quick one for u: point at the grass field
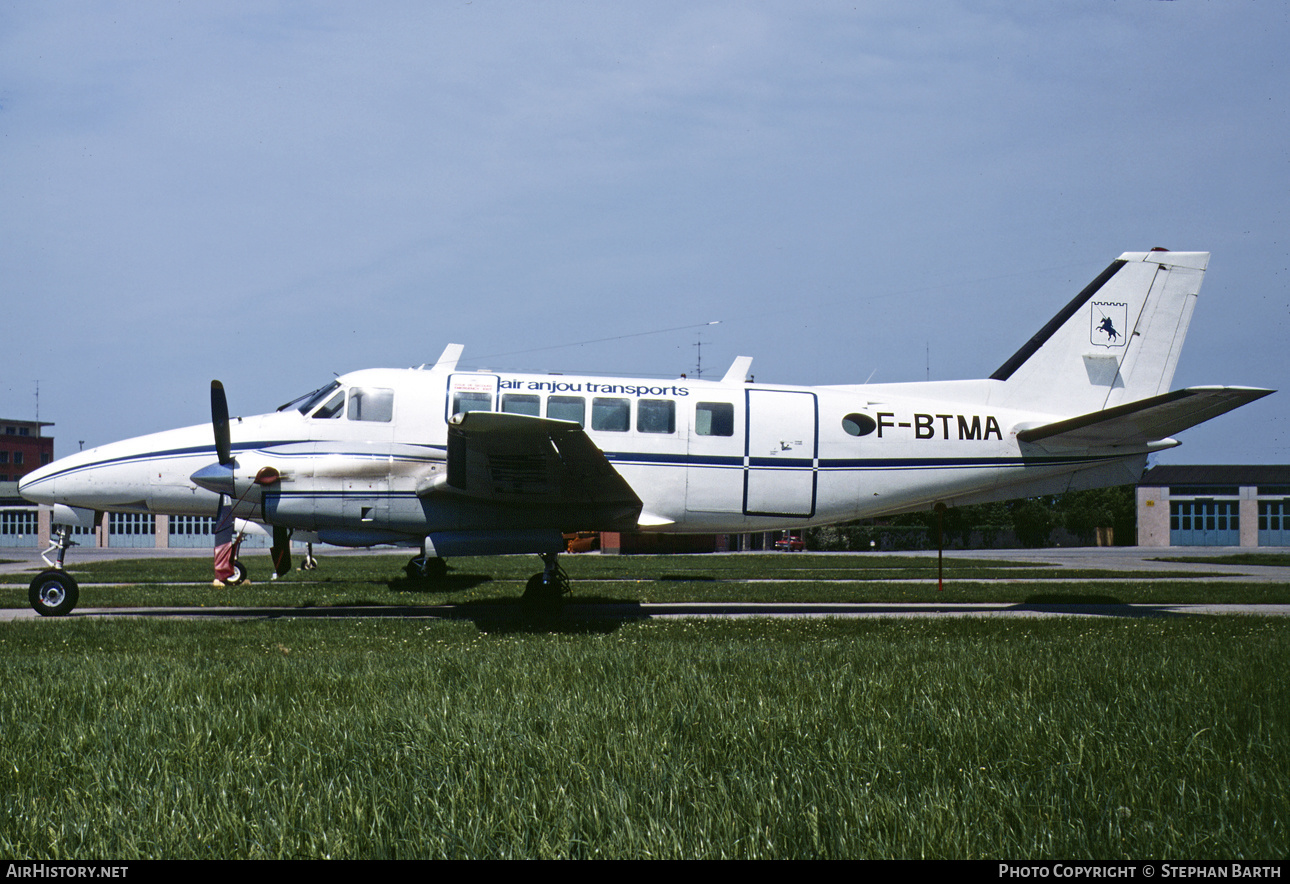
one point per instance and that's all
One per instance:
(1260, 558)
(379, 580)
(364, 738)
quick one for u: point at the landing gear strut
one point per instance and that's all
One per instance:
(54, 592)
(552, 585)
(63, 542)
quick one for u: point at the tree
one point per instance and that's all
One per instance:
(1083, 512)
(1033, 520)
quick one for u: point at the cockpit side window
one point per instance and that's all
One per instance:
(371, 404)
(334, 407)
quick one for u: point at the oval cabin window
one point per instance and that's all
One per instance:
(858, 424)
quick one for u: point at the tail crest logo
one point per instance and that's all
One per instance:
(1108, 321)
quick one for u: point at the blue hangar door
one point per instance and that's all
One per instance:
(1204, 522)
(781, 456)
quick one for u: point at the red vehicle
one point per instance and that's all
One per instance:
(790, 544)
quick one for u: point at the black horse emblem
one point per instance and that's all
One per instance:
(1109, 328)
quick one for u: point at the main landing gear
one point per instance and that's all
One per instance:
(54, 592)
(425, 567)
(549, 587)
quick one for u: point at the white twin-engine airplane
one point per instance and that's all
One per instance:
(476, 463)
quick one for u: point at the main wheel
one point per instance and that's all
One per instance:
(53, 593)
(239, 574)
(542, 590)
(421, 568)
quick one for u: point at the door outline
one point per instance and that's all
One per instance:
(777, 468)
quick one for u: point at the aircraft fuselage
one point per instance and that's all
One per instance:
(703, 456)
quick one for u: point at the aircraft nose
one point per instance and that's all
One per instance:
(40, 486)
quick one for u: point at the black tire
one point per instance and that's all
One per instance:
(53, 593)
(540, 591)
(415, 568)
(419, 568)
(239, 574)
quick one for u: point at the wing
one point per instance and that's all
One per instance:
(537, 471)
(1146, 420)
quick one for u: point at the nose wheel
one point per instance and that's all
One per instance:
(53, 593)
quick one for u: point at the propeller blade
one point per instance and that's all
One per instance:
(219, 417)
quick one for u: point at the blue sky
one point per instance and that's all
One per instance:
(270, 193)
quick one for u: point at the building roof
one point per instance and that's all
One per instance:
(1217, 474)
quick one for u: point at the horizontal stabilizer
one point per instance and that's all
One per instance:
(1144, 421)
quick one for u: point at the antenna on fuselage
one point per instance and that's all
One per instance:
(447, 361)
(737, 373)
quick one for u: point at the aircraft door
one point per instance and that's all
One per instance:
(782, 454)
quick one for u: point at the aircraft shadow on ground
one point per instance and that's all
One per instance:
(440, 586)
(515, 616)
(1092, 605)
(1066, 598)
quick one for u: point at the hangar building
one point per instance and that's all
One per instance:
(1214, 506)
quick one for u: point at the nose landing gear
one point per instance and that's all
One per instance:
(54, 592)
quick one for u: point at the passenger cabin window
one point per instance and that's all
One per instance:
(464, 402)
(656, 416)
(611, 415)
(371, 404)
(714, 419)
(567, 408)
(522, 403)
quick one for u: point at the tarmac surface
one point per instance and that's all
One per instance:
(1116, 559)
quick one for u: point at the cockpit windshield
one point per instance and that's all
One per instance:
(306, 403)
(327, 403)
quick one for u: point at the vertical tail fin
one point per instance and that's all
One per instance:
(1118, 341)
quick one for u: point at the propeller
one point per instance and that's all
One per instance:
(219, 418)
(220, 478)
